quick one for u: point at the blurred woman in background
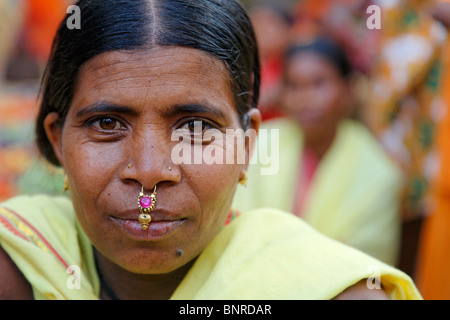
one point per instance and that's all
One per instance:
(332, 172)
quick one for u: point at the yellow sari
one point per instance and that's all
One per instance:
(265, 254)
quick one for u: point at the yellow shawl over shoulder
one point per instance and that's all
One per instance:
(264, 254)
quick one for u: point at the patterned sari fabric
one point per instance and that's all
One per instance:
(404, 104)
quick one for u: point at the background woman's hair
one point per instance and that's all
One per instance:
(218, 27)
(326, 48)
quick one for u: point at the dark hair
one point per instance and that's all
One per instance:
(221, 28)
(326, 48)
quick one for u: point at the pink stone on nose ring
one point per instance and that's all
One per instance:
(146, 205)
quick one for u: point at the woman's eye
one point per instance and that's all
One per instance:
(107, 124)
(196, 129)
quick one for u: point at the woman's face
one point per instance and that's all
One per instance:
(119, 136)
(314, 93)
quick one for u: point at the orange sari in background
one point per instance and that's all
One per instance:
(433, 276)
(42, 18)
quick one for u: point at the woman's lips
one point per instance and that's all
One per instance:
(158, 228)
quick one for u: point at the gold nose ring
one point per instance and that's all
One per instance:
(146, 205)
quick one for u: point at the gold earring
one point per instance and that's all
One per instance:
(129, 166)
(244, 179)
(66, 183)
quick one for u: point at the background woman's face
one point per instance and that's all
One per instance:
(314, 93)
(118, 136)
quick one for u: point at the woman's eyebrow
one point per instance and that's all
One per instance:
(105, 107)
(194, 108)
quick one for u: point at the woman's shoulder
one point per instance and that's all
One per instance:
(360, 291)
(38, 219)
(23, 220)
(37, 231)
(281, 241)
(13, 284)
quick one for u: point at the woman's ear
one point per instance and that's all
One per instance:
(254, 122)
(53, 129)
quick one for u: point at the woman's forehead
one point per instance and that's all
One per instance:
(151, 62)
(167, 70)
(309, 62)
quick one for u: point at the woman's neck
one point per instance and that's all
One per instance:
(118, 283)
(319, 142)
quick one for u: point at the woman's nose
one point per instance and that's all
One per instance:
(298, 99)
(149, 161)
